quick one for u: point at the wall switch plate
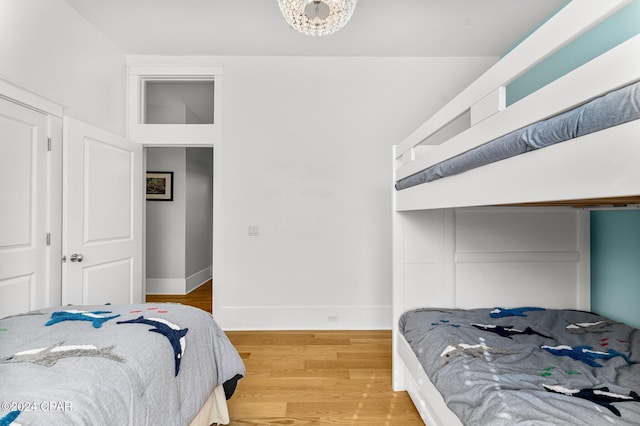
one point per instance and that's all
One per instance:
(254, 230)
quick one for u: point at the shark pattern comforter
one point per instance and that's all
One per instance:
(146, 364)
(529, 365)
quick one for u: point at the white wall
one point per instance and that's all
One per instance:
(307, 158)
(47, 47)
(199, 218)
(165, 223)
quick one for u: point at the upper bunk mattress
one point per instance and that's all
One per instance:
(614, 108)
(529, 366)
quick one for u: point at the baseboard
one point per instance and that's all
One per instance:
(196, 280)
(181, 286)
(305, 318)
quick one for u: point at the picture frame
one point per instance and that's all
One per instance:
(159, 186)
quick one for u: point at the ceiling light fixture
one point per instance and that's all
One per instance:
(317, 17)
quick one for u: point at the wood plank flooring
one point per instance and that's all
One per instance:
(201, 297)
(318, 378)
(312, 377)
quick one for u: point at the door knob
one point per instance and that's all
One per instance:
(75, 257)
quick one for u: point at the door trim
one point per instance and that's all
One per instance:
(28, 98)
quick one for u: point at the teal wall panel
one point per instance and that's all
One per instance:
(620, 27)
(615, 265)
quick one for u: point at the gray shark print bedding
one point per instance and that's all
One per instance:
(529, 365)
(146, 364)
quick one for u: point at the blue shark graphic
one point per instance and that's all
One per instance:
(171, 331)
(507, 331)
(600, 396)
(586, 354)
(514, 312)
(9, 418)
(94, 317)
(445, 322)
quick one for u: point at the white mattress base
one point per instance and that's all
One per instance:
(214, 411)
(598, 165)
(423, 393)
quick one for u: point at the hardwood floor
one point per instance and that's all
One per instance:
(318, 378)
(201, 297)
(312, 377)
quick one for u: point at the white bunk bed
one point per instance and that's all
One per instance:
(589, 176)
(453, 247)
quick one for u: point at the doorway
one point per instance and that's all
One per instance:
(179, 227)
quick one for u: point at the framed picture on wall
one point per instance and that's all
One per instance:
(160, 186)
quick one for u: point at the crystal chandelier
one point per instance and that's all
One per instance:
(317, 17)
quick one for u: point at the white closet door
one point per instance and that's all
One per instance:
(28, 278)
(102, 211)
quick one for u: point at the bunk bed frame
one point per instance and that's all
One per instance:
(590, 176)
(460, 242)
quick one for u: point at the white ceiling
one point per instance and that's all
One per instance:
(256, 28)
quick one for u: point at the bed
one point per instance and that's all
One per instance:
(430, 170)
(612, 109)
(515, 230)
(144, 364)
(529, 365)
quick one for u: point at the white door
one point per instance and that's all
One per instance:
(30, 229)
(102, 217)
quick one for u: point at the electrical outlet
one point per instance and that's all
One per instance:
(254, 230)
(332, 318)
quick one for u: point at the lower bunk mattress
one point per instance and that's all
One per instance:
(529, 365)
(145, 364)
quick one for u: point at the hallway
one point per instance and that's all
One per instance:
(200, 297)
